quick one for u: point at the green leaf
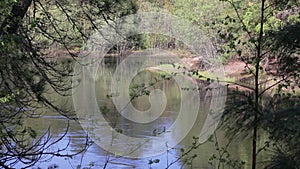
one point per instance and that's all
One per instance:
(32, 133)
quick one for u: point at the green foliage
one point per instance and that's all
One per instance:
(283, 158)
(8, 98)
(223, 157)
(257, 42)
(5, 7)
(82, 18)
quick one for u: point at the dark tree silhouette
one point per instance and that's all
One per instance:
(27, 71)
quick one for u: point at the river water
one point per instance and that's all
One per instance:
(96, 156)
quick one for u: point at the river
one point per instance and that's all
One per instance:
(96, 157)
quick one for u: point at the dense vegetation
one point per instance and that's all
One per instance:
(264, 34)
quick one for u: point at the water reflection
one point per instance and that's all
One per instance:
(96, 157)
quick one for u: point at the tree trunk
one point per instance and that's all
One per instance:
(257, 68)
(11, 23)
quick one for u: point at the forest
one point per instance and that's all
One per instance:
(235, 62)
